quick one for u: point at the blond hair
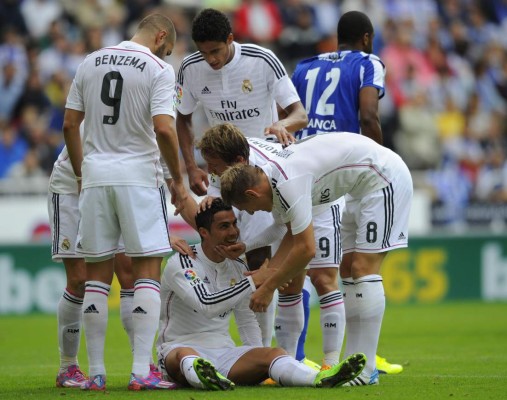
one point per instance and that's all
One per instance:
(236, 180)
(224, 141)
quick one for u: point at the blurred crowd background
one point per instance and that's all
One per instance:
(444, 112)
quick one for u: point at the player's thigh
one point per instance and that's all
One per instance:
(253, 366)
(99, 229)
(142, 215)
(224, 358)
(63, 211)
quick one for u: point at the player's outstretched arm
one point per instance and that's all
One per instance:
(197, 178)
(294, 120)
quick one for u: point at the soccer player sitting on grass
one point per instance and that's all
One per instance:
(198, 296)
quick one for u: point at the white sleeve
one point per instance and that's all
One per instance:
(162, 99)
(248, 326)
(285, 92)
(184, 99)
(193, 291)
(295, 195)
(267, 237)
(75, 96)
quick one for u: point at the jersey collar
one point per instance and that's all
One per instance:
(235, 58)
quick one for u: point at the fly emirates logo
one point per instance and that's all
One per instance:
(230, 112)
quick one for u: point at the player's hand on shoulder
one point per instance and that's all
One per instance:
(181, 246)
(231, 251)
(282, 135)
(198, 181)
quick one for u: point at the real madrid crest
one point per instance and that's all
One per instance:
(247, 86)
(233, 282)
(65, 244)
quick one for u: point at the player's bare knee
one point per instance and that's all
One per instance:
(324, 280)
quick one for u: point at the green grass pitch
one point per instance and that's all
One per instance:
(449, 351)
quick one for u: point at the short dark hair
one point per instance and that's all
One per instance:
(352, 26)
(211, 25)
(204, 219)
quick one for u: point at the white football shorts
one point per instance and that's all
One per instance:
(63, 211)
(139, 214)
(378, 222)
(222, 358)
(326, 229)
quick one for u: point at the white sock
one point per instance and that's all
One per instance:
(371, 304)
(332, 322)
(126, 307)
(95, 315)
(145, 315)
(287, 371)
(289, 322)
(69, 319)
(351, 316)
(266, 322)
(187, 369)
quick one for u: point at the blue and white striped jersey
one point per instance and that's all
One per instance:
(329, 85)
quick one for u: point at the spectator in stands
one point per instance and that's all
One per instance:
(257, 21)
(12, 147)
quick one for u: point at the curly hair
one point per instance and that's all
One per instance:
(211, 25)
(224, 141)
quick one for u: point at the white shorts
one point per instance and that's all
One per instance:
(137, 213)
(378, 222)
(326, 229)
(63, 211)
(222, 358)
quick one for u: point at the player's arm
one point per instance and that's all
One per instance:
(167, 139)
(295, 118)
(248, 327)
(197, 178)
(71, 121)
(292, 257)
(368, 113)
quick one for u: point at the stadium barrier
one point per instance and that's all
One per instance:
(431, 270)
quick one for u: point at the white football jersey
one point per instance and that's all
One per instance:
(243, 92)
(120, 89)
(321, 168)
(198, 296)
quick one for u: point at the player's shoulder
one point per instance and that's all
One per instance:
(192, 60)
(180, 262)
(320, 59)
(251, 48)
(256, 53)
